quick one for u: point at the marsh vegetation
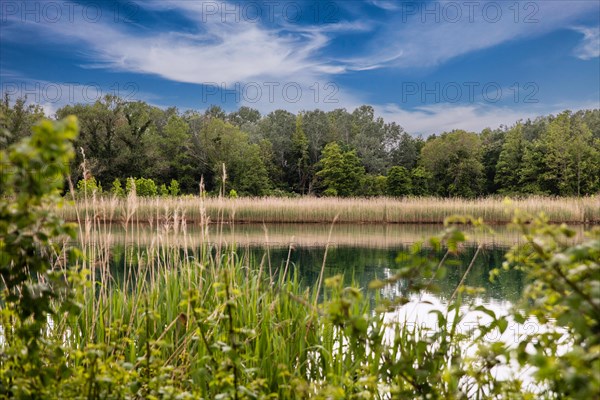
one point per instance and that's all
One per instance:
(175, 317)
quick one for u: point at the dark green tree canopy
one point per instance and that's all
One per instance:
(282, 152)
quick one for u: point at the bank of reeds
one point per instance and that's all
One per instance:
(355, 210)
(171, 317)
(204, 319)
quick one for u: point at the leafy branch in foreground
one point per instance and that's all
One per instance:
(564, 294)
(33, 264)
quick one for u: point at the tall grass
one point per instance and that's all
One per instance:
(202, 316)
(186, 305)
(204, 319)
(356, 210)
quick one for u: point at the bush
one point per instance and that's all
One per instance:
(117, 189)
(31, 363)
(164, 192)
(88, 187)
(174, 189)
(143, 187)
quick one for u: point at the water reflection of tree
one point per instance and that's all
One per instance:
(362, 265)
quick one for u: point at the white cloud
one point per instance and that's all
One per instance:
(439, 118)
(429, 34)
(52, 96)
(386, 4)
(590, 45)
(229, 52)
(245, 52)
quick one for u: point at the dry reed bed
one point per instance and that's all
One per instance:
(324, 210)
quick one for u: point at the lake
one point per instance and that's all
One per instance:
(361, 253)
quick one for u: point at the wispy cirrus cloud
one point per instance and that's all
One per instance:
(388, 5)
(204, 46)
(214, 51)
(590, 45)
(430, 34)
(443, 117)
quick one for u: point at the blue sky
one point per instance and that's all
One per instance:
(430, 66)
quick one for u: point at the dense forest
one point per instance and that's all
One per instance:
(336, 153)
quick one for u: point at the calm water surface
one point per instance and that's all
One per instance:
(360, 253)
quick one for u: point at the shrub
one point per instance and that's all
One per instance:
(31, 362)
(174, 189)
(143, 187)
(164, 192)
(117, 189)
(88, 187)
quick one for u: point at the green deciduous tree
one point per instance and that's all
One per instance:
(219, 143)
(16, 120)
(421, 181)
(300, 159)
(564, 160)
(510, 161)
(341, 172)
(454, 161)
(492, 142)
(399, 182)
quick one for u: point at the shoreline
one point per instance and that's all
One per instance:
(310, 210)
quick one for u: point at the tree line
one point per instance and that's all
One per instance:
(336, 153)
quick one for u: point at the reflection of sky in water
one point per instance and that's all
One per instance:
(418, 313)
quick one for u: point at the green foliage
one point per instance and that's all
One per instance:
(341, 172)
(549, 155)
(174, 189)
(570, 163)
(561, 159)
(117, 189)
(563, 278)
(399, 182)
(162, 189)
(31, 276)
(211, 327)
(255, 183)
(406, 152)
(511, 161)
(373, 185)
(88, 187)
(421, 181)
(233, 194)
(301, 161)
(143, 187)
(492, 142)
(17, 119)
(220, 143)
(454, 161)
